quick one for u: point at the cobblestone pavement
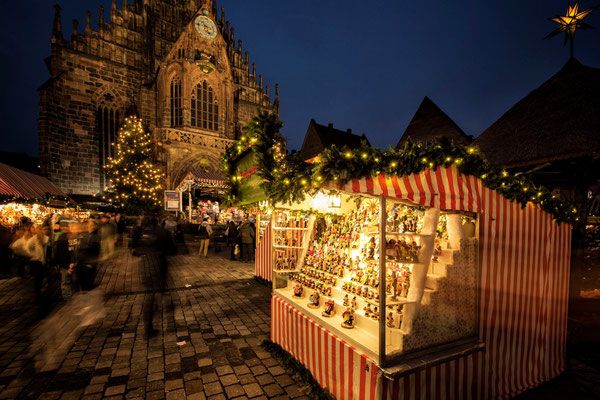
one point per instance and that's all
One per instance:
(211, 320)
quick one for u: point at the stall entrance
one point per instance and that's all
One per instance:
(200, 186)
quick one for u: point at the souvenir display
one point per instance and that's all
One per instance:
(313, 300)
(298, 291)
(339, 262)
(329, 310)
(348, 318)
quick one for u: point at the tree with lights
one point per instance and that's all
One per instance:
(135, 180)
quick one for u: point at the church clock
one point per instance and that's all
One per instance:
(205, 27)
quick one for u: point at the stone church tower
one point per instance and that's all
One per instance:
(176, 63)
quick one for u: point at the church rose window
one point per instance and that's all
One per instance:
(204, 107)
(176, 111)
(107, 120)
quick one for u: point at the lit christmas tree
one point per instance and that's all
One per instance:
(135, 181)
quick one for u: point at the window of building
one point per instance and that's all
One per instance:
(176, 112)
(108, 122)
(204, 107)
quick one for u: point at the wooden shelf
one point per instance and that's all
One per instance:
(411, 234)
(289, 229)
(287, 247)
(285, 271)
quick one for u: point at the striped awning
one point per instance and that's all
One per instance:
(444, 188)
(208, 178)
(25, 185)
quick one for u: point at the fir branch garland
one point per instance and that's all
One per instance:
(292, 179)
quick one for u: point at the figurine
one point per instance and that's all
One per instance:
(348, 317)
(389, 320)
(346, 301)
(368, 310)
(375, 314)
(399, 315)
(329, 309)
(313, 301)
(394, 284)
(298, 291)
(353, 303)
(437, 251)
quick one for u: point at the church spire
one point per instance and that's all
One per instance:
(88, 24)
(57, 26)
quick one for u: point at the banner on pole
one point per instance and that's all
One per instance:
(250, 186)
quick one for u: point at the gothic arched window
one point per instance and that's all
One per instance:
(204, 107)
(108, 122)
(176, 112)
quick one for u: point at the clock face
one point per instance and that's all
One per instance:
(205, 27)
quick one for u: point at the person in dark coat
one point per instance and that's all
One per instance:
(163, 246)
(88, 256)
(248, 235)
(63, 259)
(232, 237)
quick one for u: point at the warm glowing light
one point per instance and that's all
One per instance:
(570, 22)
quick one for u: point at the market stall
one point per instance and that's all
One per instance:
(435, 275)
(26, 195)
(476, 293)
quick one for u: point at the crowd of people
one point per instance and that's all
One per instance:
(241, 238)
(59, 249)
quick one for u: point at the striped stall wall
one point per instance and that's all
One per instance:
(263, 265)
(524, 257)
(336, 365)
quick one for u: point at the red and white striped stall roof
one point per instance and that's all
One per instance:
(25, 185)
(524, 284)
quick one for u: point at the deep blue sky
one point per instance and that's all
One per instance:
(358, 64)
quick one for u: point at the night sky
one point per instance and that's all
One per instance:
(358, 64)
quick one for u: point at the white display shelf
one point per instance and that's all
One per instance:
(289, 229)
(287, 247)
(409, 234)
(364, 335)
(285, 271)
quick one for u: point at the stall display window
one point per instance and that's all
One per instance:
(329, 267)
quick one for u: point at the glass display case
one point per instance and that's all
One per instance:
(416, 291)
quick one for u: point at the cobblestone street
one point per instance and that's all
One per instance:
(210, 320)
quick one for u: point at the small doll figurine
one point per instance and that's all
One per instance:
(375, 314)
(313, 301)
(394, 284)
(346, 301)
(368, 310)
(348, 317)
(371, 295)
(437, 251)
(329, 309)
(399, 316)
(353, 303)
(298, 291)
(371, 248)
(365, 291)
(389, 320)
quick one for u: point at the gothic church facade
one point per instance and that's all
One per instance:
(175, 63)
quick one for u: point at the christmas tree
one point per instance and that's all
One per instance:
(135, 181)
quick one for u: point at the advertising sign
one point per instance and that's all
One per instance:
(172, 200)
(250, 189)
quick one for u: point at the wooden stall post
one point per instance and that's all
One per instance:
(382, 283)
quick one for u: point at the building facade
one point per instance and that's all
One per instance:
(176, 63)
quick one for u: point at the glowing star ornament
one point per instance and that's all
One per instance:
(570, 23)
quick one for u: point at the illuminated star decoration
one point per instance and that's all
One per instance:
(570, 23)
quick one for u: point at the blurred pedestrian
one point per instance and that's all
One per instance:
(108, 234)
(232, 236)
(163, 247)
(204, 232)
(121, 225)
(63, 259)
(18, 247)
(88, 256)
(247, 234)
(37, 247)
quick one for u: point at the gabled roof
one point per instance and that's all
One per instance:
(430, 123)
(25, 185)
(319, 137)
(558, 120)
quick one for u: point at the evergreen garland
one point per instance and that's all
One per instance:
(291, 179)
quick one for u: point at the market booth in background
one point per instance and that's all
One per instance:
(23, 194)
(476, 288)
